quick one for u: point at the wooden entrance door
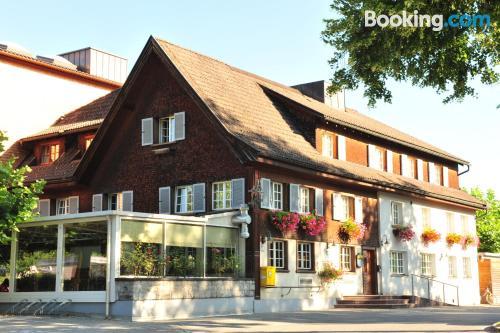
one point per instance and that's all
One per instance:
(370, 272)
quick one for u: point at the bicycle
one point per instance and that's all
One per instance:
(490, 298)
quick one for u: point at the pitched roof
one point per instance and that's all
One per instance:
(239, 100)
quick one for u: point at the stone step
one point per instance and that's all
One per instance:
(374, 301)
(374, 306)
(372, 297)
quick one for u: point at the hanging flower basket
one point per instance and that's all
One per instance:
(469, 240)
(329, 274)
(312, 224)
(286, 222)
(430, 236)
(404, 233)
(351, 230)
(452, 239)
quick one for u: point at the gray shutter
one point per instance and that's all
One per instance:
(237, 192)
(147, 131)
(265, 200)
(199, 197)
(44, 207)
(73, 205)
(164, 200)
(128, 201)
(97, 202)
(294, 197)
(180, 125)
(318, 201)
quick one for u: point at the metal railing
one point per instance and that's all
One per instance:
(430, 280)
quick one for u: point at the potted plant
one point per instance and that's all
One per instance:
(329, 274)
(403, 233)
(351, 230)
(312, 224)
(453, 238)
(469, 240)
(430, 235)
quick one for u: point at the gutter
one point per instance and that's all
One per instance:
(465, 171)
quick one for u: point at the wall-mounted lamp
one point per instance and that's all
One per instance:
(266, 238)
(384, 240)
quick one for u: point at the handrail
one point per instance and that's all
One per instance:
(429, 280)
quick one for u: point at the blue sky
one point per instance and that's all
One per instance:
(276, 39)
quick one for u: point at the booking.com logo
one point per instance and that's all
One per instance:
(417, 20)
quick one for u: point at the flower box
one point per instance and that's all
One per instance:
(403, 233)
(469, 240)
(430, 236)
(453, 238)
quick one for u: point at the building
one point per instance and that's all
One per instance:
(489, 276)
(152, 179)
(42, 88)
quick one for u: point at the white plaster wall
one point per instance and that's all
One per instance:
(401, 285)
(285, 299)
(32, 100)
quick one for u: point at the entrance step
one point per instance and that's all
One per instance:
(375, 302)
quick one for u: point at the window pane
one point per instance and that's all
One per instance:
(184, 250)
(222, 259)
(277, 254)
(85, 248)
(4, 267)
(36, 259)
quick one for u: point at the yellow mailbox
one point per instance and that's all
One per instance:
(268, 276)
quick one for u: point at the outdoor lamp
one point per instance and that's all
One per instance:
(384, 240)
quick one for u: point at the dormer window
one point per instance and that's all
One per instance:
(167, 129)
(327, 145)
(50, 153)
(376, 157)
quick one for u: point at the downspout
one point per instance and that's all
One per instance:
(108, 268)
(465, 171)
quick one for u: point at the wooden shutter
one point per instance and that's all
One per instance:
(266, 198)
(199, 197)
(337, 204)
(147, 131)
(237, 192)
(404, 165)
(128, 201)
(164, 200)
(341, 148)
(97, 203)
(180, 125)
(294, 197)
(432, 173)
(358, 209)
(44, 207)
(372, 163)
(390, 167)
(445, 177)
(420, 169)
(318, 201)
(74, 205)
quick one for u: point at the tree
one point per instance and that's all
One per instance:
(17, 200)
(488, 221)
(443, 59)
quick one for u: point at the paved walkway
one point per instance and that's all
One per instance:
(464, 319)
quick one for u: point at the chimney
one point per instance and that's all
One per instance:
(318, 91)
(98, 63)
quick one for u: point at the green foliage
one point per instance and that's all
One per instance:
(17, 200)
(140, 259)
(180, 263)
(488, 221)
(444, 59)
(329, 273)
(222, 263)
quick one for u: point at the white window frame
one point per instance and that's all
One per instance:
(226, 191)
(397, 216)
(398, 262)
(464, 224)
(345, 207)
(467, 267)
(437, 174)
(327, 145)
(182, 206)
(305, 256)
(170, 135)
(452, 267)
(64, 209)
(426, 217)
(427, 264)
(118, 201)
(450, 222)
(52, 155)
(276, 255)
(276, 195)
(346, 253)
(304, 202)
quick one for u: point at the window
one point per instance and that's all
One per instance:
(50, 153)
(221, 195)
(397, 262)
(427, 264)
(276, 255)
(467, 268)
(465, 224)
(346, 257)
(437, 175)
(184, 199)
(88, 141)
(346, 207)
(277, 195)
(304, 200)
(62, 206)
(450, 222)
(376, 157)
(397, 213)
(426, 217)
(305, 256)
(221, 249)
(114, 201)
(167, 129)
(452, 267)
(327, 145)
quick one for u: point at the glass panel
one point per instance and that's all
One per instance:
(4, 267)
(184, 250)
(184, 235)
(222, 259)
(36, 259)
(85, 256)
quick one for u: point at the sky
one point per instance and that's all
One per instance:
(280, 40)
